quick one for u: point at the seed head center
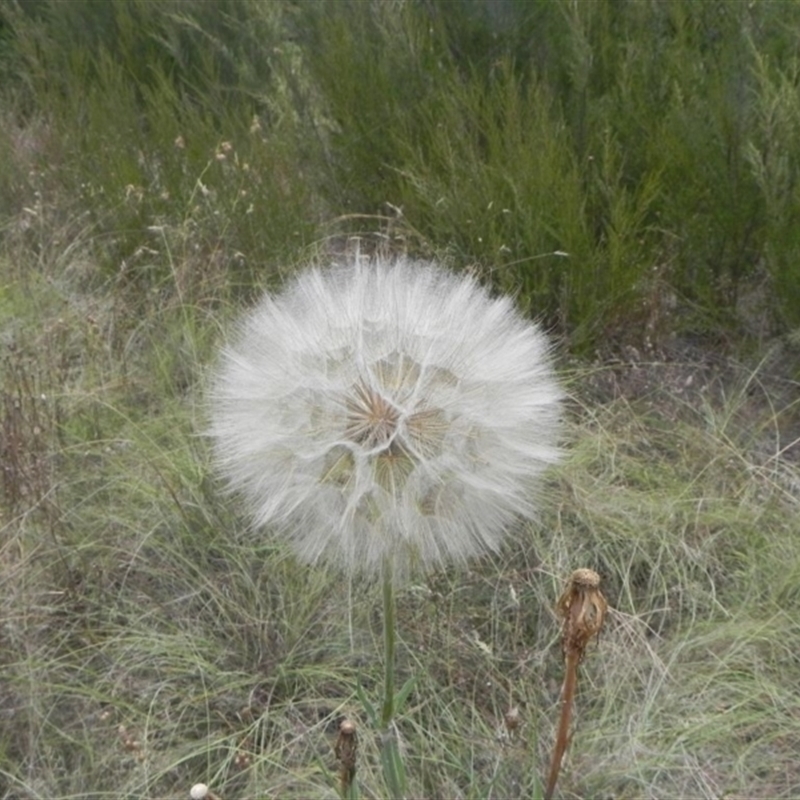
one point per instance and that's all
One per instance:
(371, 418)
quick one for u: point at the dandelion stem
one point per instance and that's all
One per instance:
(393, 770)
(387, 712)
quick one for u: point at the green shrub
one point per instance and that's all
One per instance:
(168, 125)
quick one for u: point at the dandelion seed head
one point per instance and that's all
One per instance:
(386, 413)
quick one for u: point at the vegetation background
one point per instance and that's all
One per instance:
(630, 169)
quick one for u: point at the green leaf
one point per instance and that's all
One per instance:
(405, 690)
(372, 715)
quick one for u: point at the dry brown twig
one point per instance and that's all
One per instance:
(583, 608)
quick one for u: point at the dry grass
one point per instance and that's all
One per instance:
(150, 642)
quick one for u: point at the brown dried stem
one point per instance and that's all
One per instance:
(582, 608)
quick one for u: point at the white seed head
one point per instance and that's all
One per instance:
(199, 791)
(386, 413)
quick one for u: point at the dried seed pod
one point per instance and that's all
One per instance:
(583, 608)
(512, 719)
(346, 749)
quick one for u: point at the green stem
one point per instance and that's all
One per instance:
(393, 770)
(387, 712)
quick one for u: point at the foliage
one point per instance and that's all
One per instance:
(652, 143)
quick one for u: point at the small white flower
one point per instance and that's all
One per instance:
(386, 413)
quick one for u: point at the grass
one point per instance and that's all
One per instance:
(152, 643)
(149, 640)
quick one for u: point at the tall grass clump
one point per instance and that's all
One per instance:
(613, 163)
(772, 156)
(168, 122)
(621, 134)
(150, 643)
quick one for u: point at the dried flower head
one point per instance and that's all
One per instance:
(386, 414)
(346, 750)
(582, 607)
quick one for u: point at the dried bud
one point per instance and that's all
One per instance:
(583, 608)
(512, 719)
(346, 749)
